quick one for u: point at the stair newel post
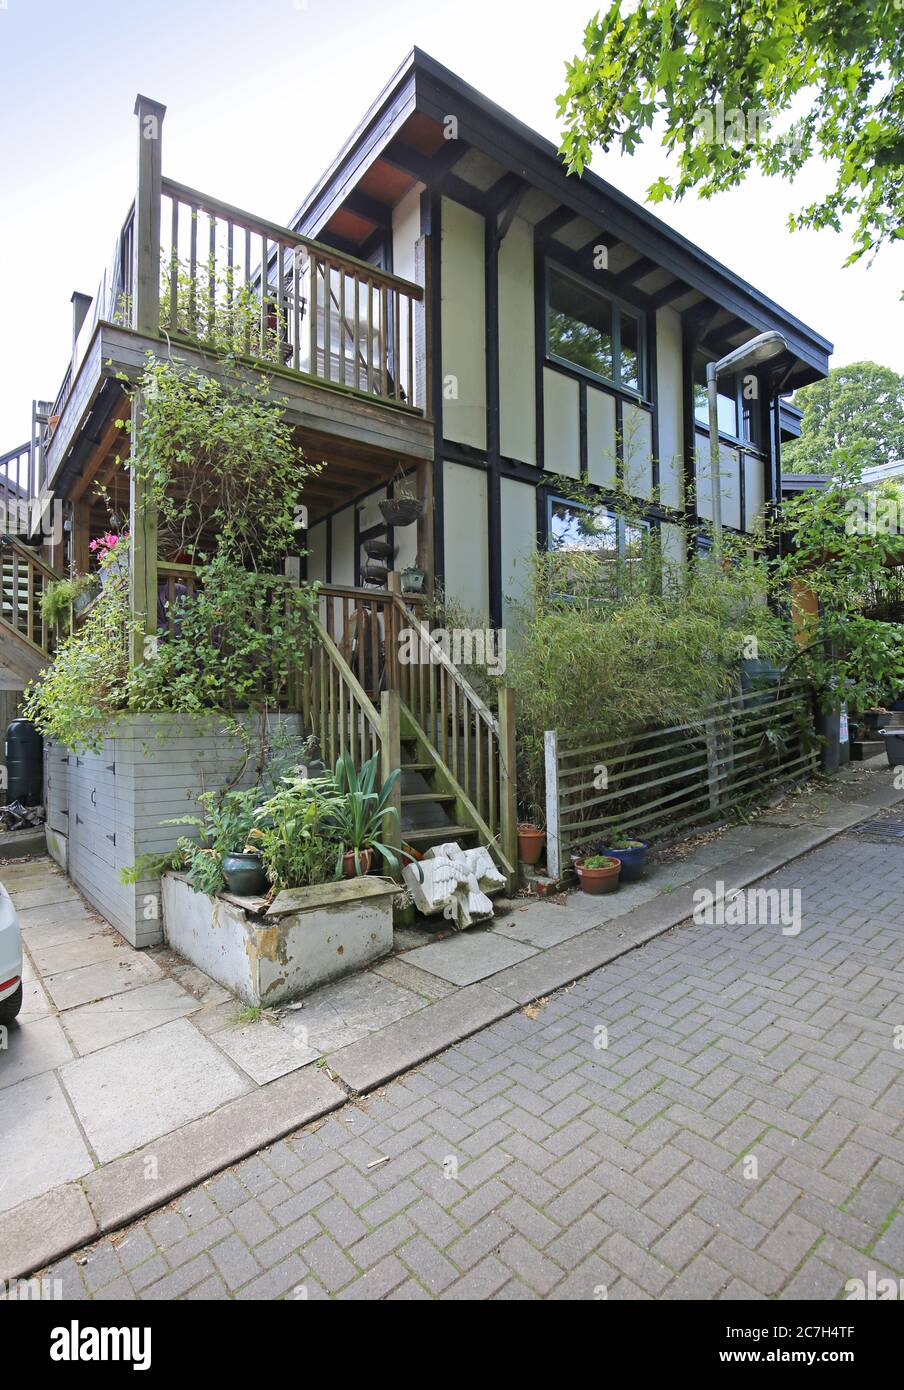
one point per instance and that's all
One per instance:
(391, 635)
(508, 785)
(391, 758)
(145, 320)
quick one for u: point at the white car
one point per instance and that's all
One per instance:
(10, 960)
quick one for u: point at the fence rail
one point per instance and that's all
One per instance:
(675, 777)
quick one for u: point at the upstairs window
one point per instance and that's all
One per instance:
(739, 416)
(588, 330)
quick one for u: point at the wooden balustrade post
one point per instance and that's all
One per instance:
(391, 759)
(553, 804)
(292, 569)
(146, 278)
(508, 784)
(391, 633)
(146, 319)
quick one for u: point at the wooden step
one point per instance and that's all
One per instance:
(422, 798)
(438, 834)
(418, 767)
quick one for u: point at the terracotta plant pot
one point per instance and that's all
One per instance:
(365, 856)
(531, 842)
(596, 881)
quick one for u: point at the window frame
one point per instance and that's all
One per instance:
(738, 439)
(617, 306)
(645, 524)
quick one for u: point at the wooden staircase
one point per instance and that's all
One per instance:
(428, 811)
(456, 756)
(25, 639)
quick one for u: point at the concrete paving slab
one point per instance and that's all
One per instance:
(402, 1045)
(264, 1050)
(35, 1003)
(145, 1086)
(340, 1013)
(73, 987)
(41, 1046)
(33, 1234)
(74, 953)
(407, 976)
(40, 1143)
(111, 1020)
(130, 1186)
(543, 924)
(469, 956)
(45, 895)
(53, 926)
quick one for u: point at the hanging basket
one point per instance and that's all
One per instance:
(401, 511)
(378, 550)
(374, 572)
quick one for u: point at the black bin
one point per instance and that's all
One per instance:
(24, 763)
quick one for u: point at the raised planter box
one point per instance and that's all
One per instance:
(104, 809)
(271, 956)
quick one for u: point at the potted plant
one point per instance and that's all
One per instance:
(360, 815)
(297, 832)
(403, 507)
(632, 853)
(112, 553)
(599, 873)
(531, 842)
(227, 853)
(413, 580)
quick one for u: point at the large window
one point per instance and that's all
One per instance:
(599, 335)
(739, 414)
(619, 545)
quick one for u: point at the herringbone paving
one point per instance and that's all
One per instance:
(717, 1115)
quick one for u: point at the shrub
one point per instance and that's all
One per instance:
(603, 666)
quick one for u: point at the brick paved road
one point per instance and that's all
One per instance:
(529, 1162)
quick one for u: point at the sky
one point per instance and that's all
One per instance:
(260, 95)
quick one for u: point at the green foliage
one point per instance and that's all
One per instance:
(847, 654)
(362, 811)
(218, 308)
(59, 596)
(297, 833)
(218, 462)
(857, 411)
(88, 680)
(676, 65)
(225, 829)
(600, 861)
(604, 659)
(231, 646)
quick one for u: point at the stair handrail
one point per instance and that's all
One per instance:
(28, 554)
(422, 628)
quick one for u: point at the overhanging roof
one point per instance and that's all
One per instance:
(421, 87)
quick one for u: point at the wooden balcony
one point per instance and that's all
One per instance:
(343, 341)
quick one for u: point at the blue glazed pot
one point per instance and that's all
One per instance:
(633, 861)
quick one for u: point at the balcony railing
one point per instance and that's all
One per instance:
(234, 280)
(209, 273)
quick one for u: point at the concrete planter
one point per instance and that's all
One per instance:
(305, 938)
(104, 809)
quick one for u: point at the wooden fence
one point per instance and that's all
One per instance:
(671, 778)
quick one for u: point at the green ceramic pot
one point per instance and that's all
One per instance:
(244, 874)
